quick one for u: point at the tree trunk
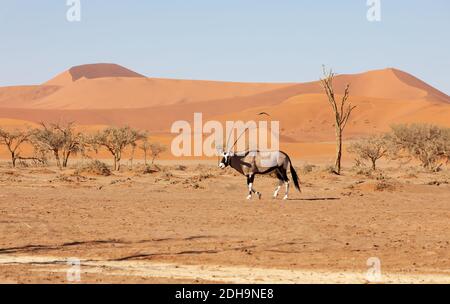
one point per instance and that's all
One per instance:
(337, 165)
(132, 158)
(374, 164)
(145, 158)
(58, 160)
(117, 163)
(13, 159)
(66, 159)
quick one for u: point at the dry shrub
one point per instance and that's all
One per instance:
(364, 171)
(40, 171)
(95, 167)
(121, 181)
(384, 186)
(166, 175)
(180, 168)
(329, 169)
(369, 149)
(146, 169)
(10, 173)
(410, 176)
(151, 169)
(307, 168)
(69, 178)
(437, 183)
(202, 176)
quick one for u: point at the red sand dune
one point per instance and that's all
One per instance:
(107, 94)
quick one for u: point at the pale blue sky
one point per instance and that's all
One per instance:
(238, 40)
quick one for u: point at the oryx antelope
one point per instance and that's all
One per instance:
(252, 163)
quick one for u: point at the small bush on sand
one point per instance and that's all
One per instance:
(95, 167)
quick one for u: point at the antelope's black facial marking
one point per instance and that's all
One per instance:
(226, 161)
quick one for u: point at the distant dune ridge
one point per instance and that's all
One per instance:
(109, 94)
(92, 71)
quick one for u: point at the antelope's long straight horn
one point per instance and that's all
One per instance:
(238, 139)
(229, 137)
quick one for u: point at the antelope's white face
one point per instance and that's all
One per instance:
(225, 162)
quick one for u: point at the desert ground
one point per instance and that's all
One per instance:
(189, 222)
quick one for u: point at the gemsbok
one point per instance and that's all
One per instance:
(252, 163)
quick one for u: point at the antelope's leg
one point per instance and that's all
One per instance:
(277, 190)
(287, 190)
(250, 179)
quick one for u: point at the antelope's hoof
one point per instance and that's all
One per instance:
(285, 198)
(259, 195)
(249, 197)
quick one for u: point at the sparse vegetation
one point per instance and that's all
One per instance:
(428, 144)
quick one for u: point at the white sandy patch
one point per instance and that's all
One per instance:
(214, 273)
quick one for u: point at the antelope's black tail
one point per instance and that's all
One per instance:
(294, 176)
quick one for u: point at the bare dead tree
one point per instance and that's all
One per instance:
(341, 110)
(13, 140)
(115, 140)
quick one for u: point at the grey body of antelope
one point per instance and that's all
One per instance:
(252, 163)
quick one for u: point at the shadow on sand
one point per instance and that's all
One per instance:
(316, 199)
